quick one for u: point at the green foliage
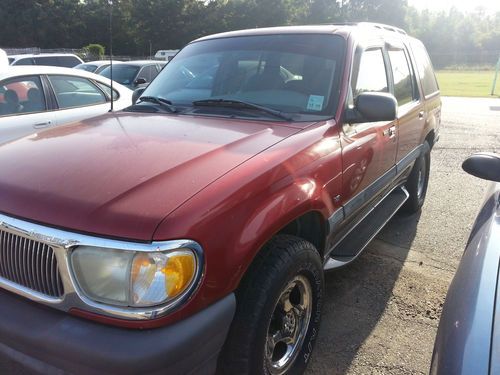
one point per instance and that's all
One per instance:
(452, 38)
(94, 50)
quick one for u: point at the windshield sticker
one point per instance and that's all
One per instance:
(315, 102)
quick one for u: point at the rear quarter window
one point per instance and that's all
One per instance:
(68, 61)
(46, 60)
(403, 78)
(425, 69)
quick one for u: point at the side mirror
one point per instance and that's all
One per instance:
(136, 94)
(485, 165)
(372, 107)
(139, 81)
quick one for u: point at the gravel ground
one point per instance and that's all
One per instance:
(382, 312)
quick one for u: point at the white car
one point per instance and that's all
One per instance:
(67, 60)
(37, 97)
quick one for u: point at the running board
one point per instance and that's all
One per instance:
(360, 236)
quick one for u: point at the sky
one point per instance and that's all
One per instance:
(463, 5)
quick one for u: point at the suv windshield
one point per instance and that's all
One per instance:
(296, 74)
(122, 73)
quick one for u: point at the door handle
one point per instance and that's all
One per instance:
(44, 124)
(421, 115)
(392, 132)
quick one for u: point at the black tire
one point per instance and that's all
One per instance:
(285, 260)
(418, 188)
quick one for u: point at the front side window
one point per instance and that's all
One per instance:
(371, 75)
(75, 92)
(403, 82)
(148, 73)
(296, 74)
(21, 95)
(122, 73)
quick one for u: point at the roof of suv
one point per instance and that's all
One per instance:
(341, 28)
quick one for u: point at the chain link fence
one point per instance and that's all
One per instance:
(79, 52)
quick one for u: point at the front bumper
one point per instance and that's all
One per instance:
(49, 341)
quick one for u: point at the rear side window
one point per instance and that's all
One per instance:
(75, 92)
(372, 75)
(403, 82)
(107, 90)
(67, 61)
(21, 95)
(425, 70)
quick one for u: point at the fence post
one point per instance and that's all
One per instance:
(497, 68)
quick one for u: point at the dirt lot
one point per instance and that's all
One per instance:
(382, 312)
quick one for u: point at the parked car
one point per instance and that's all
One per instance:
(93, 66)
(34, 98)
(166, 54)
(134, 74)
(66, 60)
(195, 225)
(468, 338)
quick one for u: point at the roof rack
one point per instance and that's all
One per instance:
(380, 26)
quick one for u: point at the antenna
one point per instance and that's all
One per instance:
(110, 2)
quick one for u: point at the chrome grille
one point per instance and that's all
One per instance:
(29, 263)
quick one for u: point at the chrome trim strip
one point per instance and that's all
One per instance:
(359, 200)
(409, 158)
(64, 243)
(370, 191)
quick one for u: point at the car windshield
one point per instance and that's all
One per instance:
(123, 74)
(296, 74)
(87, 67)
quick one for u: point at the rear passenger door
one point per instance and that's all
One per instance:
(411, 114)
(76, 98)
(368, 149)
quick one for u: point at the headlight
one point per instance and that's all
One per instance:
(133, 278)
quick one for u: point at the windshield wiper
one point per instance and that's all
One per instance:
(164, 103)
(233, 103)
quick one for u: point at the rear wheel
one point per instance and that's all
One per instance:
(278, 311)
(417, 181)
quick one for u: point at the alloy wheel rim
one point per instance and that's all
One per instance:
(288, 326)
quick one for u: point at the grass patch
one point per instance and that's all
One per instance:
(475, 83)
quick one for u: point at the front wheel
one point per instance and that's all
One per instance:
(278, 311)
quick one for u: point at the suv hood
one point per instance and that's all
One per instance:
(120, 175)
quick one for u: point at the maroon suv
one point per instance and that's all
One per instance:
(190, 232)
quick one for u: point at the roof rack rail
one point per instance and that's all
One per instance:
(380, 26)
